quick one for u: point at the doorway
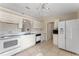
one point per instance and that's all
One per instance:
(50, 27)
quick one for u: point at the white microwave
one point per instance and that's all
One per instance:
(8, 44)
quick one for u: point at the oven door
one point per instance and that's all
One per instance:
(8, 44)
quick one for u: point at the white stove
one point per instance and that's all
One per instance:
(7, 44)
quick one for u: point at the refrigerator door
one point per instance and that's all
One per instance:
(72, 36)
(61, 35)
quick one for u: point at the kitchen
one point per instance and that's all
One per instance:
(26, 31)
(14, 27)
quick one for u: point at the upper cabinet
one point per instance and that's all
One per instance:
(11, 18)
(36, 24)
(8, 17)
(20, 24)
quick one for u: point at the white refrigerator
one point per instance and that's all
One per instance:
(68, 35)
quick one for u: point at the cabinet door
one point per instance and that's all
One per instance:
(55, 38)
(20, 23)
(72, 36)
(27, 41)
(4, 16)
(61, 34)
(9, 17)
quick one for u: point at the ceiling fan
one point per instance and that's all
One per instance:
(44, 6)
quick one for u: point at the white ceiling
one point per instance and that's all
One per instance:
(35, 10)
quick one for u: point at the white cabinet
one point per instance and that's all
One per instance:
(55, 39)
(10, 18)
(20, 24)
(36, 24)
(27, 41)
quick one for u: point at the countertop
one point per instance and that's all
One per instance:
(10, 36)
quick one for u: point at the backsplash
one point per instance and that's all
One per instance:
(8, 28)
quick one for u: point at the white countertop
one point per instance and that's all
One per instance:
(9, 36)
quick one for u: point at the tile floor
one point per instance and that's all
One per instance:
(45, 49)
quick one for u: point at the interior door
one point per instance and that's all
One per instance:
(72, 36)
(61, 34)
(50, 27)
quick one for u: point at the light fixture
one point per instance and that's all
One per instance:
(27, 7)
(44, 6)
(24, 21)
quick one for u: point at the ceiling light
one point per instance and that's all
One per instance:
(47, 8)
(27, 7)
(24, 21)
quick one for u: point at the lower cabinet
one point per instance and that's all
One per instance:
(27, 41)
(55, 39)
